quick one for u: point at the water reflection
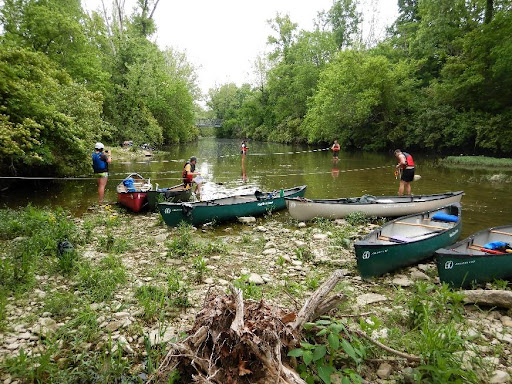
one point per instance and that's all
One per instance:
(273, 166)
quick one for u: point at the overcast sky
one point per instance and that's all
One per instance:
(222, 38)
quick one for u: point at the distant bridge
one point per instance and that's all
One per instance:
(203, 123)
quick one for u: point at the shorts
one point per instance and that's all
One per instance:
(335, 153)
(101, 174)
(407, 175)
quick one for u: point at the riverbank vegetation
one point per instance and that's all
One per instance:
(71, 78)
(105, 309)
(438, 82)
(477, 162)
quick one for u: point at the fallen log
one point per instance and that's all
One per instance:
(244, 341)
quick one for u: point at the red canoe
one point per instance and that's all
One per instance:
(132, 192)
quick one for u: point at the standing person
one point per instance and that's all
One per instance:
(406, 165)
(335, 149)
(244, 148)
(100, 161)
(189, 173)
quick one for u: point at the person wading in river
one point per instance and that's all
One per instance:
(100, 161)
(406, 166)
(189, 173)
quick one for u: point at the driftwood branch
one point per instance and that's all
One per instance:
(310, 307)
(385, 347)
(238, 323)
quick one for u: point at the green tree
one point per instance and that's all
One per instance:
(47, 121)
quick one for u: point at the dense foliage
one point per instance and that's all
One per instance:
(439, 81)
(69, 79)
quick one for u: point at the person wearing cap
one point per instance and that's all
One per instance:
(244, 148)
(100, 161)
(189, 173)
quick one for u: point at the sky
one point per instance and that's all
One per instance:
(222, 38)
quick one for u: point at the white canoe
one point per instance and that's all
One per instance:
(379, 206)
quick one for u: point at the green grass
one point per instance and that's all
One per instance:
(101, 281)
(477, 161)
(36, 233)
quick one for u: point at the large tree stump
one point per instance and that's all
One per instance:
(244, 341)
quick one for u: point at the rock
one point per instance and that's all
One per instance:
(320, 236)
(260, 228)
(160, 238)
(266, 278)
(209, 281)
(270, 251)
(506, 321)
(45, 326)
(125, 345)
(370, 298)
(121, 315)
(384, 370)
(115, 325)
(24, 335)
(13, 346)
(301, 224)
(402, 281)
(491, 298)
(255, 279)
(247, 219)
(340, 222)
(300, 243)
(499, 377)
(418, 275)
(270, 244)
(156, 336)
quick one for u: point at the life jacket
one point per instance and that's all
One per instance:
(336, 147)
(409, 162)
(188, 178)
(98, 164)
(244, 147)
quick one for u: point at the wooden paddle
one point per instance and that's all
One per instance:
(501, 233)
(421, 225)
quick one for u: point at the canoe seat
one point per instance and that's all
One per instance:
(395, 239)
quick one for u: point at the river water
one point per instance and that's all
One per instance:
(272, 166)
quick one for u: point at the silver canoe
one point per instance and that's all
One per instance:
(379, 206)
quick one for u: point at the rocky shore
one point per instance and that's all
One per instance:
(139, 284)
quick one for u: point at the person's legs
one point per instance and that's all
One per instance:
(401, 188)
(408, 188)
(102, 182)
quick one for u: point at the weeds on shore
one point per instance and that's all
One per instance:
(477, 161)
(34, 235)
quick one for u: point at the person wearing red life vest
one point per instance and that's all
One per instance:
(335, 149)
(189, 173)
(244, 148)
(406, 166)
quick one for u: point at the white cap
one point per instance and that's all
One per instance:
(98, 146)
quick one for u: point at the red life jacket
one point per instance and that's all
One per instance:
(409, 162)
(336, 147)
(188, 177)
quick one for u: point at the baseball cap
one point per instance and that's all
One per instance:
(193, 158)
(98, 146)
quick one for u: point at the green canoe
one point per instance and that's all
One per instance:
(407, 240)
(472, 261)
(176, 194)
(227, 208)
